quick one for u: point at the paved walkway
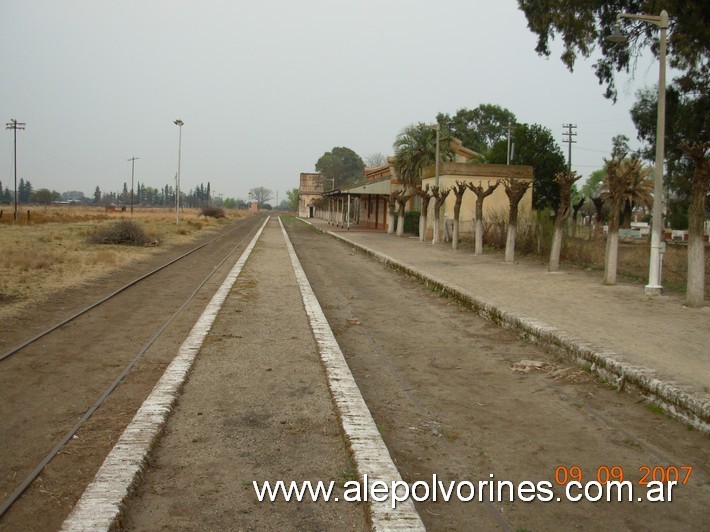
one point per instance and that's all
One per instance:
(653, 342)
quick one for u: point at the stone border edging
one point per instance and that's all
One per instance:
(677, 402)
(101, 504)
(368, 448)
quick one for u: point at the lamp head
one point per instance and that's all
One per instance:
(179, 122)
(616, 35)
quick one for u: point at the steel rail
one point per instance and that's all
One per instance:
(15, 495)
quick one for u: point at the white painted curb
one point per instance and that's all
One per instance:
(101, 503)
(369, 450)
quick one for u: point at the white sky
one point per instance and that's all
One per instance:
(265, 87)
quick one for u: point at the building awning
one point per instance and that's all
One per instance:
(381, 187)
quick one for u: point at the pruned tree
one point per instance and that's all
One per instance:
(439, 199)
(575, 212)
(515, 189)
(401, 198)
(425, 195)
(565, 180)
(481, 195)
(700, 186)
(458, 189)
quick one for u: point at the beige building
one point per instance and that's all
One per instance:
(309, 194)
(478, 174)
(366, 203)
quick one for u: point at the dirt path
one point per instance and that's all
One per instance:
(256, 407)
(439, 383)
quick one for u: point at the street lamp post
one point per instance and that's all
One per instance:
(654, 286)
(436, 127)
(133, 167)
(178, 123)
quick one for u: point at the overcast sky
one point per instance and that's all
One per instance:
(265, 87)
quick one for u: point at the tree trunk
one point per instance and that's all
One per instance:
(455, 236)
(556, 248)
(390, 218)
(510, 243)
(612, 246)
(400, 219)
(479, 226)
(695, 289)
(511, 234)
(479, 237)
(436, 239)
(422, 225)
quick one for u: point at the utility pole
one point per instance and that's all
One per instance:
(510, 129)
(133, 167)
(569, 142)
(15, 125)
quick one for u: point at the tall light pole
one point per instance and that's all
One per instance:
(654, 269)
(15, 125)
(178, 123)
(133, 167)
(437, 128)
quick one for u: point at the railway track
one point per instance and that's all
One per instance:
(68, 389)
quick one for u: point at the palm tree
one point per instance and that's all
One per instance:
(414, 149)
(618, 172)
(639, 188)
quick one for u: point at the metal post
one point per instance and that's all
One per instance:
(133, 167)
(654, 286)
(15, 125)
(654, 267)
(178, 123)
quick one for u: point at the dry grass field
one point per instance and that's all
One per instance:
(53, 251)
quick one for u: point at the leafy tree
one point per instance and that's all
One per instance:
(97, 195)
(341, 164)
(535, 146)
(620, 146)
(481, 128)
(584, 27)
(45, 197)
(686, 157)
(260, 195)
(24, 191)
(73, 195)
(292, 197)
